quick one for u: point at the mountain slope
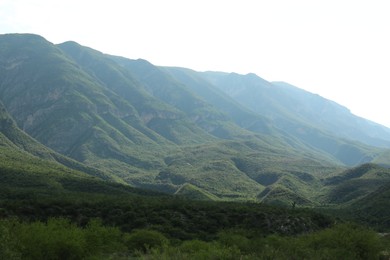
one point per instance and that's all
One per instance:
(308, 117)
(203, 88)
(166, 88)
(160, 128)
(28, 169)
(154, 116)
(335, 118)
(15, 139)
(282, 100)
(82, 104)
(61, 106)
(373, 209)
(356, 183)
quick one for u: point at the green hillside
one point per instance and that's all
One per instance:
(355, 184)
(283, 102)
(85, 105)
(373, 209)
(130, 122)
(194, 193)
(298, 114)
(29, 170)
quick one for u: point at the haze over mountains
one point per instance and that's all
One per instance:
(218, 135)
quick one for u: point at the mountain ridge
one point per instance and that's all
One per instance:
(165, 128)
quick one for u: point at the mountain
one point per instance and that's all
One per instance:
(295, 115)
(284, 103)
(52, 99)
(28, 169)
(168, 129)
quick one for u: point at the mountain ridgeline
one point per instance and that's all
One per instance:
(209, 135)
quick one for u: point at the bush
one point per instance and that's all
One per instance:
(100, 239)
(58, 239)
(196, 249)
(8, 242)
(236, 239)
(142, 240)
(346, 241)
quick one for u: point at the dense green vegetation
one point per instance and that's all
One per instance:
(244, 176)
(58, 238)
(174, 217)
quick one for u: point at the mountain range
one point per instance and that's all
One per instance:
(71, 114)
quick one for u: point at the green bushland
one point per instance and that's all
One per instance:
(59, 238)
(344, 241)
(176, 218)
(89, 226)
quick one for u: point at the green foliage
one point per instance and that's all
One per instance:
(101, 239)
(8, 242)
(175, 218)
(154, 229)
(344, 241)
(241, 239)
(144, 240)
(57, 239)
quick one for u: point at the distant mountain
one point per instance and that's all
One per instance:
(171, 129)
(286, 104)
(286, 112)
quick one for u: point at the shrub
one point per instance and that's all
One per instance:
(196, 249)
(143, 240)
(236, 239)
(100, 239)
(58, 239)
(346, 241)
(8, 242)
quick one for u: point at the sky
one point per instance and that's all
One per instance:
(339, 49)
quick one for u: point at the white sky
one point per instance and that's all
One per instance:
(339, 49)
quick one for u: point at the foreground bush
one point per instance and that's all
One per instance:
(345, 241)
(8, 241)
(58, 238)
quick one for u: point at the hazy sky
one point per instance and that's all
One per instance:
(339, 49)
